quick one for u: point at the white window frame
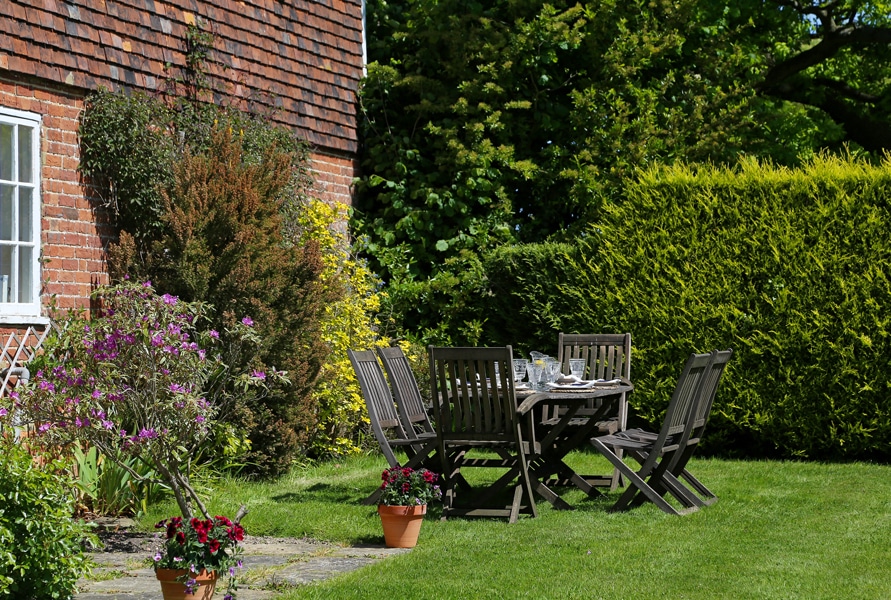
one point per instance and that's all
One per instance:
(14, 311)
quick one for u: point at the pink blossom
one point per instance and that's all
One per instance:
(248, 321)
(258, 375)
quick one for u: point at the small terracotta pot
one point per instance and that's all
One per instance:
(402, 524)
(173, 589)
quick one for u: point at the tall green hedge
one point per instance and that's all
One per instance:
(790, 268)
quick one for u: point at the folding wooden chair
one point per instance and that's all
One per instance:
(384, 417)
(699, 495)
(607, 356)
(407, 393)
(656, 453)
(476, 410)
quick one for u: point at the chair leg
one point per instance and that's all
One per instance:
(707, 496)
(373, 498)
(637, 483)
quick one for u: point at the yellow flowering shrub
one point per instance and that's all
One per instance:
(348, 323)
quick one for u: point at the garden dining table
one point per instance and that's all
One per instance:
(558, 429)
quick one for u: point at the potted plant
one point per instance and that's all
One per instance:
(194, 554)
(405, 493)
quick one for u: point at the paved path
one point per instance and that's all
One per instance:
(270, 564)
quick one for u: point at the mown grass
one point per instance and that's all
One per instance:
(779, 530)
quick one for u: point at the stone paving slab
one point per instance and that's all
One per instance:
(270, 564)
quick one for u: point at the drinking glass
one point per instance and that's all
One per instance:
(534, 369)
(577, 367)
(552, 368)
(519, 368)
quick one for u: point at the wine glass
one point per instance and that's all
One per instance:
(519, 369)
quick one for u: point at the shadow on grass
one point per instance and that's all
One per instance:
(324, 492)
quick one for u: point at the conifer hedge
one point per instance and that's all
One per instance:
(790, 268)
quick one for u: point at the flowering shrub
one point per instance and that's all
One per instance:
(349, 322)
(139, 381)
(196, 544)
(403, 486)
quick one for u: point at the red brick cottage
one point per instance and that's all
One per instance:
(301, 59)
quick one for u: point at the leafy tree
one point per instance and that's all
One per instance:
(514, 121)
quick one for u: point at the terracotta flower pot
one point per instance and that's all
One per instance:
(402, 524)
(173, 589)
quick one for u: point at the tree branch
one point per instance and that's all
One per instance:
(824, 50)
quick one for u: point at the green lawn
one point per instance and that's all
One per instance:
(779, 530)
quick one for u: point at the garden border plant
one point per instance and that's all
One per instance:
(139, 381)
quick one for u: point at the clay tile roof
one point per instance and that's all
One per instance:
(301, 59)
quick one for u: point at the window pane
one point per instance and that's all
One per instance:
(25, 264)
(5, 272)
(6, 148)
(25, 216)
(26, 158)
(7, 213)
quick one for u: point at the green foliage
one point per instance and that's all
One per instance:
(41, 554)
(127, 153)
(104, 487)
(489, 123)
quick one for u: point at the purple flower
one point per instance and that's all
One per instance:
(3, 412)
(214, 334)
(199, 419)
(258, 375)
(147, 284)
(168, 299)
(157, 556)
(248, 321)
(147, 434)
(177, 388)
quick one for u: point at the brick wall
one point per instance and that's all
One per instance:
(333, 177)
(72, 239)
